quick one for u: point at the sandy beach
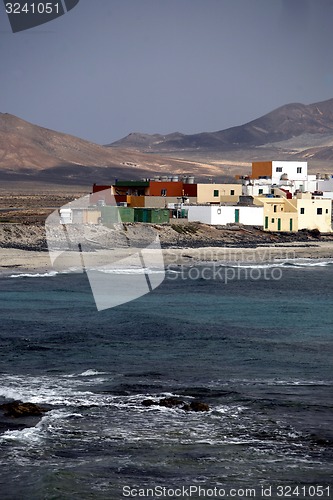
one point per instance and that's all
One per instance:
(20, 261)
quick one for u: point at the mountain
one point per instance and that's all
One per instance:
(288, 122)
(39, 155)
(32, 153)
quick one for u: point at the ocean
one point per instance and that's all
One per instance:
(257, 348)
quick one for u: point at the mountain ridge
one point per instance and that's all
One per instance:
(29, 152)
(283, 123)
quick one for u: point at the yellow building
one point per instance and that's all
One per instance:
(279, 214)
(218, 193)
(313, 213)
(292, 215)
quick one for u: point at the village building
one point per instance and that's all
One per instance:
(277, 196)
(218, 193)
(292, 176)
(223, 215)
(324, 186)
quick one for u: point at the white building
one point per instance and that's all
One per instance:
(222, 215)
(324, 186)
(256, 187)
(289, 175)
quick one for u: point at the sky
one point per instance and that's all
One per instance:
(111, 67)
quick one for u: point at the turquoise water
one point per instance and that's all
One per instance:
(259, 352)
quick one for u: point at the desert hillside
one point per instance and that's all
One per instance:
(33, 155)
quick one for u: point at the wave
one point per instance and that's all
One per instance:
(309, 263)
(34, 436)
(86, 373)
(79, 419)
(68, 389)
(296, 263)
(125, 271)
(270, 383)
(130, 270)
(35, 275)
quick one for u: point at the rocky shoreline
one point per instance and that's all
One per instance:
(32, 237)
(23, 248)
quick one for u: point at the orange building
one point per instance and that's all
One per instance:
(132, 191)
(261, 169)
(168, 188)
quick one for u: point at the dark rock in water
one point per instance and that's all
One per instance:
(321, 441)
(18, 409)
(199, 406)
(171, 402)
(149, 402)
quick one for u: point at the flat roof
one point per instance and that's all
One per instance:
(131, 183)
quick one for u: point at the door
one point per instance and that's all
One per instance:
(145, 216)
(291, 224)
(279, 224)
(236, 214)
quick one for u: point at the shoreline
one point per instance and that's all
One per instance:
(15, 261)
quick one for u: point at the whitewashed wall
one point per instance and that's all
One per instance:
(222, 215)
(290, 168)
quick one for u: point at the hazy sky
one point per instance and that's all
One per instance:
(111, 67)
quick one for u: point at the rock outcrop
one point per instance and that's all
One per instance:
(17, 409)
(174, 402)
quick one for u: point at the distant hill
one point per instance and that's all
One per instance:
(313, 121)
(29, 152)
(294, 131)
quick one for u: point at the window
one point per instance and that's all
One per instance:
(273, 220)
(299, 170)
(216, 192)
(232, 192)
(163, 192)
(274, 208)
(260, 191)
(278, 169)
(327, 210)
(219, 211)
(319, 211)
(302, 211)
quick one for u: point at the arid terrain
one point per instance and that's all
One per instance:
(38, 158)
(18, 208)
(291, 132)
(31, 155)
